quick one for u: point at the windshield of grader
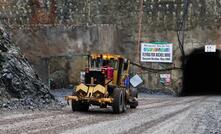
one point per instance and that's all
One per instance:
(101, 63)
(100, 70)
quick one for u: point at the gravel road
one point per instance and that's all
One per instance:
(156, 114)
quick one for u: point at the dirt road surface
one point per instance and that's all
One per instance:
(156, 114)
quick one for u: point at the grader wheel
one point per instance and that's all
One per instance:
(118, 101)
(134, 104)
(103, 106)
(78, 106)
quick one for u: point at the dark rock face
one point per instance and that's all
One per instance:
(19, 84)
(58, 79)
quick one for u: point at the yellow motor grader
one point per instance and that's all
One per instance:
(106, 83)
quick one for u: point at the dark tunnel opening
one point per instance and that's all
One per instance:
(202, 72)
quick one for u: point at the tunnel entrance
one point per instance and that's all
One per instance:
(202, 72)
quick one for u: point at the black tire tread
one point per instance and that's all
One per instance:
(78, 106)
(117, 108)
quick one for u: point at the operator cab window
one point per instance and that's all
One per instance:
(105, 63)
(110, 63)
(95, 63)
(125, 65)
(113, 63)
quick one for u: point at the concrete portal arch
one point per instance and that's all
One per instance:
(202, 73)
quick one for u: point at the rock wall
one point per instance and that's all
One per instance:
(44, 28)
(19, 83)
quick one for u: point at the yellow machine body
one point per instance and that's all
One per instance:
(96, 93)
(104, 76)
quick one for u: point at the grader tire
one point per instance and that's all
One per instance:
(78, 106)
(103, 106)
(74, 104)
(83, 107)
(134, 104)
(118, 101)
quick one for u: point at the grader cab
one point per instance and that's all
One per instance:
(106, 83)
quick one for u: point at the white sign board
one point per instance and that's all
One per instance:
(157, 52)
(165, 76)
(210, 48)
(136, 80)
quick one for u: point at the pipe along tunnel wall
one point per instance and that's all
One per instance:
(202, 72)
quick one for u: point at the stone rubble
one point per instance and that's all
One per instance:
(20, 86)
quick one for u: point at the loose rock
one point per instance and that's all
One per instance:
(20, 86)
